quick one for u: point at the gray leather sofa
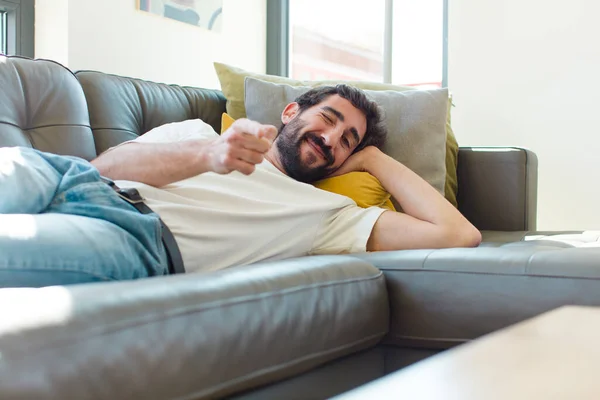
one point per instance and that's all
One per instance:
(305, 328)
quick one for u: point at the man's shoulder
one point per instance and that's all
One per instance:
(179, 131)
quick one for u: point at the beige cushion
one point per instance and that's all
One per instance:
(415, 119)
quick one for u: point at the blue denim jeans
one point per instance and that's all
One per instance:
(60, 224)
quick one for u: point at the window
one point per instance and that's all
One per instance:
(329, 40)
(17, 27)
(417, 57)
(391, 41)
(3, 36)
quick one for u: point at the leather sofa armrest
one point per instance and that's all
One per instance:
(497, 187)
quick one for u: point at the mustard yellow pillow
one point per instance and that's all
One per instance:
(226, 122)
(232, 86)
(451, 185)
(362, 187)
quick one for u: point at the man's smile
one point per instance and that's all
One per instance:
(317, 149)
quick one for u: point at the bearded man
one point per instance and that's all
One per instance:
(212, 201)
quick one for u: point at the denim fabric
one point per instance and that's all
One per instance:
(60, 224)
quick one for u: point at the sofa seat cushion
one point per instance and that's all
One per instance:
(440, 298)
(189, 336)
(537, 238)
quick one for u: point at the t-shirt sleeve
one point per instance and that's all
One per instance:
(346, 230)
(175, 132)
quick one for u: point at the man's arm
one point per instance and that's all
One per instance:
(240, 148)
(428, 221)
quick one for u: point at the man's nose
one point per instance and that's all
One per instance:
(332, 137)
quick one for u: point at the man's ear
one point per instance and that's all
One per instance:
(289, 113)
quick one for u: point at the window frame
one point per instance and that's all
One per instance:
(278, 37)
(20, 25)
(278, 34)
(4, 33)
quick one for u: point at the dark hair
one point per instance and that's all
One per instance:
(376, 132)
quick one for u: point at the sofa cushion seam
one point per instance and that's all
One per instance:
(432, 340)
(44, 126)
(425, 259)
(439, 339)
(488, 273)
(116, 129)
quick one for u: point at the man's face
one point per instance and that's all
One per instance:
(315, 143)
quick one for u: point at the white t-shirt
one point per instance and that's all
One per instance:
(221, 221)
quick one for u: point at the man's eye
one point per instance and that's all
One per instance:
(346, 142)
(327, 119)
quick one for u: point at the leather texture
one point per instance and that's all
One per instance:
(122, 108)
(331, 379)
(42, 106)
(397, 358)
(341, 375)
(189, 336)
(441, 298)
(497, 187)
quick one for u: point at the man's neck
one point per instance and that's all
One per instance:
(273, 157)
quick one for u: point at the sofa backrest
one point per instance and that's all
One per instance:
(43, 106)
(122, 108)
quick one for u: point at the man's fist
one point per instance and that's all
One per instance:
(241, 147)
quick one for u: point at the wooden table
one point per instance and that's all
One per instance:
(553, 356)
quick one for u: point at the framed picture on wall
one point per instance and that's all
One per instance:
(204, 13)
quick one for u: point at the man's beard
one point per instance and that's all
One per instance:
(289, 142)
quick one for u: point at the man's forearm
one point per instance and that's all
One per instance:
(240, 148)
(155, 164)
(416, 197)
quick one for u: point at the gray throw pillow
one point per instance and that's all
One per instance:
(415, 119)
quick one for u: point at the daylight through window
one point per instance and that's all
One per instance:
(347, 41)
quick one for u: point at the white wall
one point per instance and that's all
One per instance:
(113, 36)
(52, 30)
(527, 73)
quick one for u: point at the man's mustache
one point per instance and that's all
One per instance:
(319, 142)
